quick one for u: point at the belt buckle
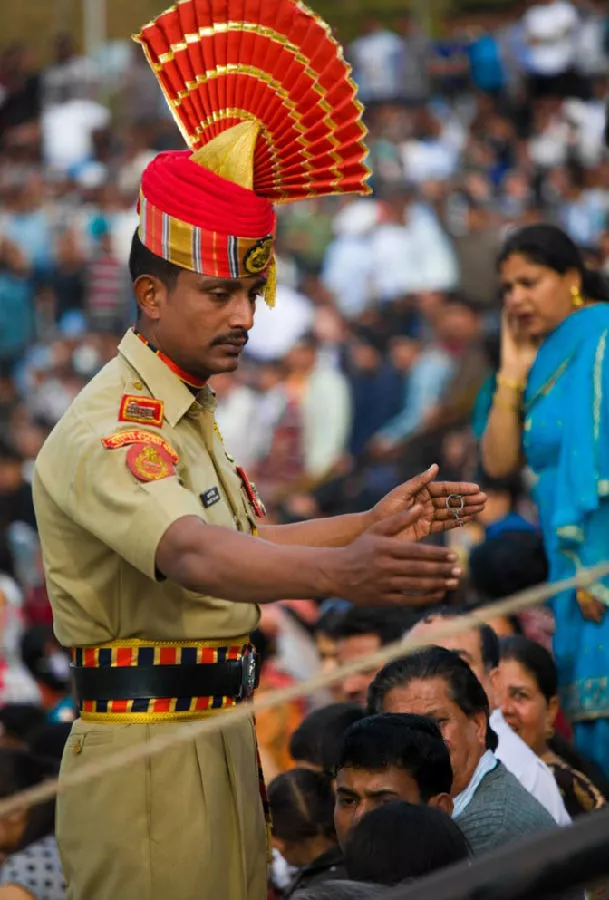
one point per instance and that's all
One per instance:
(249, 674)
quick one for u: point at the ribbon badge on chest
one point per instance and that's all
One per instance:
(252, 494)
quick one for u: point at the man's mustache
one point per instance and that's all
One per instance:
(234, 337)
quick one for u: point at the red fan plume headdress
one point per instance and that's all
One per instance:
(264, 99)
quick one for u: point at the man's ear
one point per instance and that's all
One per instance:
(480, 720)
(443, 802)
(493, 678)
(149, 293)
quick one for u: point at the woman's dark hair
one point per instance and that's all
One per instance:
(401, 741)
(535, 659)
(20, 770)
(143, 262)
(400, 841)
(302, 805)
(434, 662)
(547, 245)
(319, 737)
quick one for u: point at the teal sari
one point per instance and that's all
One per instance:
(566, 445)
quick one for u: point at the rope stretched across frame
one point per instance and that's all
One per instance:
(184, 733)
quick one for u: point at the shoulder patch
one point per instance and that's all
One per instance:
(149, 462)
(138, 436)
(145, 410)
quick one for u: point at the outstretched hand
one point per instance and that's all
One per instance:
(431, 496)
(377, 569)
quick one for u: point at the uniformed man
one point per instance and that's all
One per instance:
(156, 560)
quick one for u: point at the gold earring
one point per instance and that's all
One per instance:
(578, 300)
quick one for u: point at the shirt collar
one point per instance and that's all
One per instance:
(487, 763)
(162, 383)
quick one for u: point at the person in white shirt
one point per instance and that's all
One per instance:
(377, 63)
(410, 250)
(551, 30)
(479, 648)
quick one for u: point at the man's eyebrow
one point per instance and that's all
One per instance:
(381, 792)
(345, 790)
(232, 285)
(260, 282)
(434, 714)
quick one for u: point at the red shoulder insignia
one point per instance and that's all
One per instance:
(149, 462)
(252, 494)
(145, 410)
(137, 436)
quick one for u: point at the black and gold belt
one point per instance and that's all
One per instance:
(151, 681)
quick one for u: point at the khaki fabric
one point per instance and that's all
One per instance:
(186, 824)
(100, 527)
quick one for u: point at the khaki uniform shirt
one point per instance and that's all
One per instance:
(100, 525)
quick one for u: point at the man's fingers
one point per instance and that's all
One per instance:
(407, 550)
(478, 499)
(409, 585)
(421, 568)
(392, 526)
(446, 488)
(421, 481)
(443, 514)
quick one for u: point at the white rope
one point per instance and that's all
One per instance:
(223, 718)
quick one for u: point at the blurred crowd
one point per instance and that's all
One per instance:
(385, 331)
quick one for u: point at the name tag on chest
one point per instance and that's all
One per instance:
(210, 497)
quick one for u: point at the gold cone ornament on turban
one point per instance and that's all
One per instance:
(264, 99)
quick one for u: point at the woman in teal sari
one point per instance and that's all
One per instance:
(551, 403)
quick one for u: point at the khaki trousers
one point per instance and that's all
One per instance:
(186, 824)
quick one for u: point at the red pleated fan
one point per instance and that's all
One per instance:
(273, 62)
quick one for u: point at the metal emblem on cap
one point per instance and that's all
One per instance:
(258, 257)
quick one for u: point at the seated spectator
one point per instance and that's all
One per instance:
(490, 805)
(31, 867)
(274, 725)
(18, 721)
(361, 631)
(479, 648)
(402, 841)
(317, 741)
(506, 564)
(501, 511)
(390, 757)
(509, 562)
(302, 805)
(325, 640)
(527, 689)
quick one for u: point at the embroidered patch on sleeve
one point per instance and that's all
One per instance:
(137, 436)
(149, 462)
(145, 410)
(252, 494)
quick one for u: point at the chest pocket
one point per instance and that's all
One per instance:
(208, 472)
